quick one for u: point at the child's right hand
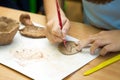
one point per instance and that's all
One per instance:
(53, 31)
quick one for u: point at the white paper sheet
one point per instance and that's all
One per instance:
(40, 60)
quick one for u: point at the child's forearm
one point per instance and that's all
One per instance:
(50, 9)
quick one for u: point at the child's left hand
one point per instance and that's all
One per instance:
(108, 41)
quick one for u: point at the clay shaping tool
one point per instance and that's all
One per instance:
(60, 20)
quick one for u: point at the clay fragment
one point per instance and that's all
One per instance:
(30, 30)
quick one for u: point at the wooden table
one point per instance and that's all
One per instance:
(78, 30)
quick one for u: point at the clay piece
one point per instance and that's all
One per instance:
(69, 49)
(8, 29)
(30, 30)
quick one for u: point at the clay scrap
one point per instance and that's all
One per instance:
(30, 30)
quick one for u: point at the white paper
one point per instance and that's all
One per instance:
(40, 60)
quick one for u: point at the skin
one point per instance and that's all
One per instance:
(108, 41)
(53, 31)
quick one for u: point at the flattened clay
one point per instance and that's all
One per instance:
(33, 32)
(30, 30)
(69, 49)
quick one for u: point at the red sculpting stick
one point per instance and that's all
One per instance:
(60, 20)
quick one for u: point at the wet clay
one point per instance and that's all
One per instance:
(69, 49)
(30, 29)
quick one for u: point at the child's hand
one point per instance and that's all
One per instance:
(53, 31)
(108, 41)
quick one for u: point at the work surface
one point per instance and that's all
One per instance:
(79, 31)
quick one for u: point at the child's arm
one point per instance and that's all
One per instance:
(53, 31)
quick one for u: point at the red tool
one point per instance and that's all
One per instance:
(60, 21)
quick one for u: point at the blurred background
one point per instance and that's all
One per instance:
(72, 8)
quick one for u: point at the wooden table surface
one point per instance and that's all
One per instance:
(79, 31)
